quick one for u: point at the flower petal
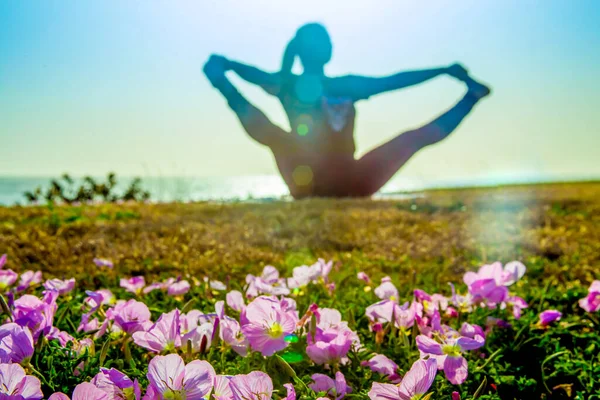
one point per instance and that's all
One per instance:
(166, 373)
(456, 369)
(428, 345)
(384, 391)
(198, 380)
(87, 391)
(466, 343)
(419, 378)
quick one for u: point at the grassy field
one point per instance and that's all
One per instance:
(554, 229)
(422, 243)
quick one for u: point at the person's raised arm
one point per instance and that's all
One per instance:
(362, 87)
(270, 82)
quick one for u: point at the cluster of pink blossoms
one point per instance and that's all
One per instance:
(265, 319)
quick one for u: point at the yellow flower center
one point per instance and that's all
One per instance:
(129, 393)
(426, 305)
(276, 330)
(451, 350)
(174, 395)
(170, 347)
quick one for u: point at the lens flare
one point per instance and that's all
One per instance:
(302, 175)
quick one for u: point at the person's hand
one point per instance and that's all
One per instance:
(458, 71)
(215, 67)
(220, 60)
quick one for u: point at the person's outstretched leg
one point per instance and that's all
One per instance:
(379, 165)
(254, 121)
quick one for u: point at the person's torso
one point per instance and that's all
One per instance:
(321, 122)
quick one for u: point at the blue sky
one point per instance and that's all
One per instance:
(92, 86)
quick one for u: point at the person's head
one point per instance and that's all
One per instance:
(312, 45)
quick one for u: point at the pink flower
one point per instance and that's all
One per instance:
(14, 384)
(98, 298)
(29, 278)
(487, 283)
(268, 283)
(364, 277)
(487, 290)
(490, 282)
(94, 324)
(387, 311)
(325, 268)
(455, 396)
(418, 379)
(303, 275)
(335, 388)
(59, 396)
(428, 324)
(591, 303)
(7, 278)
(215, 285)
(549, 316)
(384, 391)
(117, 385)
(387, 291)
(231, 333)
(291, 392)
(100, 262)
(471, 331)
(133, 285)
(222, 389)
(448, 353)
(414, 385)
(155, 286)
(178, 288)
(518, 304)
(189, 321)
(254, 386)
(170, 378)
(62, 336)
(200, 338)
(162, 336)
(332, 338)
(451, 312)
(513, 272)
(384, 366)
(83, 391)
(235, 300)
(330, 288)
(267, 325)
(463, 303)
(62, 287)
(328, 347)
(132, 316)
(16, 343)
(34, 313)
(3, 259)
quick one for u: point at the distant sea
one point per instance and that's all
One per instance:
(259, 188)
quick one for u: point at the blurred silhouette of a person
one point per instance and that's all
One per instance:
(317, 157)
